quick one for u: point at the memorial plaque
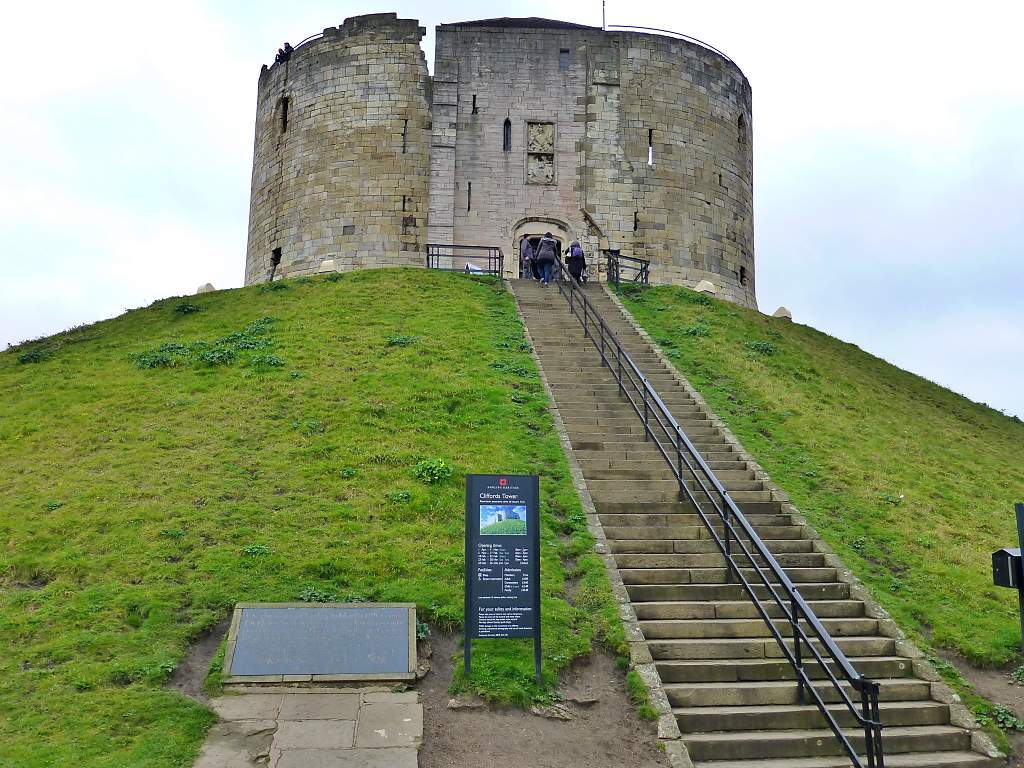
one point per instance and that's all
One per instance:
(277, 642)
(502, 558)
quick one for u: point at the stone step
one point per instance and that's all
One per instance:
(639, 494)
(748, 508)
(692, 592)
(693, 719)
(619, 533)
(954, 759)
(784, 692)
(752, 648)
(718, 575)
(718, 627)
(740, 490)
(742, 670)
(617, 520)
(591, 431)
(726, 476)
(742, 609)
(699, 546)
(747, 745)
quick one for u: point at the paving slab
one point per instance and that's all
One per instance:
(389, 725)
(237, 744)
(259, 706)
(386, 697)
(314, 734)
(396, 757)
(320, 706)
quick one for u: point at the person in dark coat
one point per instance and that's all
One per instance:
(547, 253)
(576, 261)
(526, 265)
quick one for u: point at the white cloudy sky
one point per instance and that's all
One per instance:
(888, 151)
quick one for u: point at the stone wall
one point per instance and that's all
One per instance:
(343, 176)
(616, 101)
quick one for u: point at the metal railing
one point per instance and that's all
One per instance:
(626, 268)
(475, 259)
(739, 543)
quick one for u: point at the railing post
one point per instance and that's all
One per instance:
(727, 535)
(869, 731)
(794, 620)
(679, 459)
(618, 357)
(646, 428)
(876, 716)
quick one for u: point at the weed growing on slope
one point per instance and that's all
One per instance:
(432, 471)
(35, 355)
(186, 308)
(401, 341)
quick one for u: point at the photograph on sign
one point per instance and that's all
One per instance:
(502, 519)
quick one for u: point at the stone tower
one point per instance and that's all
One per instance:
(624, 140)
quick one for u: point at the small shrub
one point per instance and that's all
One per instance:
(347, 472)
(35, 355)
(399, 497)
(422, 630)
(314, 595)
(273, 287)
(1017, 676)
(255, 550)
(217, 356)
(154, 359)
(309, 427)
(890, 498)
(249, 343)
(697, 329)
(401, 341)
(172, 533)
(186, 308)
(516, 369)
(332, 277)
(267, 360)
(53, 505)
(294, 374)
(696, 298)
(999, 716)
(762, 347)
(432, 471)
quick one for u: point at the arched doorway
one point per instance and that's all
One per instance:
(533, 229)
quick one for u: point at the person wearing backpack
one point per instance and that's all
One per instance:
(576, 261)
(547, 250)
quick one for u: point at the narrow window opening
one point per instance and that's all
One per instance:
(275, 260)
(469, 196)
(507, 136)
(474, 104)
(741, 129)
(283, 112)
(405, 136)
(743, 275)
(403, 202)
(636, 220)
(650, 146)
(563, 60)
(720, 183)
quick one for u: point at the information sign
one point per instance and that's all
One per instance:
(502, 559)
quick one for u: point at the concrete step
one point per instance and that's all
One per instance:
(954, 759)
(693, 719)
(692, 592)
(751, 648)
(748, 508)
(699, 546)
(784, 692)
(726, 476)
(747, 745)
(718, 575)
(619, 533)
(717, 627)
(642, 521)
(741, 670)
(741, 609)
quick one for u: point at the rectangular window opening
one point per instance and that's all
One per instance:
(403, 202)
(275, 257)
(474, 104)
(650, 146)
(283, 109)
(636, 220)
(469, 196)
(563, 60)
(405, 136)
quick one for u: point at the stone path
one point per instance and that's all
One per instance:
(315, 728)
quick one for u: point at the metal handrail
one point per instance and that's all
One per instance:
(437, 252)
(680, 35)
(736, 527)
(617, 263)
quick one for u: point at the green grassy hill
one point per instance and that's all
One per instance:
(911, 484)
(307, 442)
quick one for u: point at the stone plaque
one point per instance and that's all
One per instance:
(540, 137)
(286, 642)
(540, 169)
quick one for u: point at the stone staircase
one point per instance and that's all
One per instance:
(731, 691)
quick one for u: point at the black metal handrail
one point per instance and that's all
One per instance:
(690, 468)
(680, 35)
(475, 259)
(629, 268)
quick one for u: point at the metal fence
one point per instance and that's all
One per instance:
(626, 269)
(474, 259)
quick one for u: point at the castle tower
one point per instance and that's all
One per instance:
(341, 159)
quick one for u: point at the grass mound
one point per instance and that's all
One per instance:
(305, 443)
(913, 485)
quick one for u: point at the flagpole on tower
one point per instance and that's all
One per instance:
(604, 24)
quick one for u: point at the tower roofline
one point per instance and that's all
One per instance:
(528, 22)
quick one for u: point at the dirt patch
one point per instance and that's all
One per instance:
(602, 731)
(996, 686)
(190, 674)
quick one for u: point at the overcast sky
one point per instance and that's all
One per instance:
(888, 160)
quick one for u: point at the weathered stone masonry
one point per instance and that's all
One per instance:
(640, 142)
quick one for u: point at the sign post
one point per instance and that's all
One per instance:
(1008, 567)
(502, 560)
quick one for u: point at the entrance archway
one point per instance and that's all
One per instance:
(533, 229)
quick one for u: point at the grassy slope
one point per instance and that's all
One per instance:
(138, 505)
(912, 484)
